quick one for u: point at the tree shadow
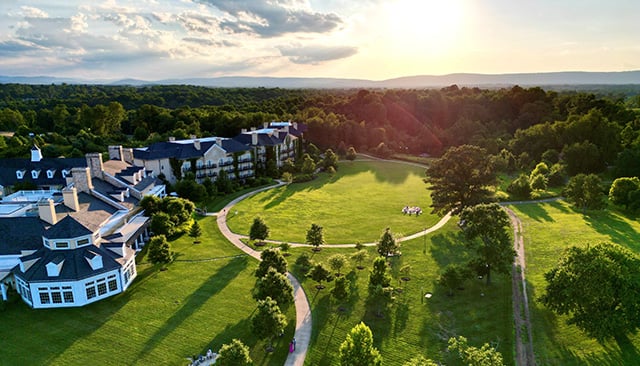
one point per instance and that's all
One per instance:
(536, 211)
(213, 285)
(448, 248)
(618, 230)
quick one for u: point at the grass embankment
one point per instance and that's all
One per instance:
(356, 204)
(164, 317)
(413, 325)
(549, 228)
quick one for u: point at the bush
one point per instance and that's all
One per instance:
(520, 187)
(301, 178)
(304, 262)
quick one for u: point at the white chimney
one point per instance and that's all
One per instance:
(70, 196)
(47, 211)
(254, 139)
(219, 141)
(196, 144)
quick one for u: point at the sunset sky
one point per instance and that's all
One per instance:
(369, 39)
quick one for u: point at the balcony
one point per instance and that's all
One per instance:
(226, 163)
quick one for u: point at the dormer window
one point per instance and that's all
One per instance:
(54, 267)
(65, 172)
(35, 174)
(50, 173)
(62, 245)
(94, 259)
(19, 174)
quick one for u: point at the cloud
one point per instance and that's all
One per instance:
(17, 46)
(209, 42)
(273, 18)
(316, 54)
(31, 12)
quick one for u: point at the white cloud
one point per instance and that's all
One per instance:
(31, 12)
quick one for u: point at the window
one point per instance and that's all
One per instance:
(68, 296)
(57, 297)
(19, 174)
(46, 243)
(34, 174)
(62, 244)
(44, 298)
(50, 174)
(113, 285)
(65, 172)
(82, 242)
(102, 289)
(91, 292)
(126, 277)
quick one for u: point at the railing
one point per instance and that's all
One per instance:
(226, 163)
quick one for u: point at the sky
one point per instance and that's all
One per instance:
(362, 39)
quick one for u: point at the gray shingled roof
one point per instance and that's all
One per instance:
(9, 167)
(20, 233)
(68, 227)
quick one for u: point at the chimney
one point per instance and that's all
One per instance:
(115, 153)
(82, 179)
(244, 130)
(253, 128)
(47, 211)
(254, 139)
(295, 125)
(172, 139)
(265, 124)
(219, 141)
(94, 162)
(70, 196)
(36, 154)
(196, 144)
(127, 155)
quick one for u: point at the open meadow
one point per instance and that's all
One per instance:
(549, 228)
(354, 205)
(202, 301)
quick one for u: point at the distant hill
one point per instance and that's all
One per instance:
(419, 81)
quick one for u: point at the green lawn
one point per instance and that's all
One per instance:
(164, 317)
(549, 229)
(412, 327)
(356, 204)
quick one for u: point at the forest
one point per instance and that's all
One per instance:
(520, 127)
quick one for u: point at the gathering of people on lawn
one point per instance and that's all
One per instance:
(412, 210)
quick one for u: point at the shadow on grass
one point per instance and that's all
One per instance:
(606, 223)
(210, 287)
(536, 211)
(448, 248)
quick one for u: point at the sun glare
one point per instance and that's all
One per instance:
(427, 25)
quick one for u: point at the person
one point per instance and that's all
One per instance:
(294, 343)
(291, 347)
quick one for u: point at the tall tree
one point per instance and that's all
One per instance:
(358, 350)
(620, 192)
(271, 258)
(460, 178)
(585, 191)
(340, 289)
(234, 354)
(337, 262)
(315, 236)
(490, 224)
(387, 244)
(470, 355)
(359, 257)
(597, 287)
(319, 273)
(276, 286)
(268, 322)
(196, 230)
(159, 250)
(259, 229)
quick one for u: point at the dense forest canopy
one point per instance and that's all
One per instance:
(529, 123)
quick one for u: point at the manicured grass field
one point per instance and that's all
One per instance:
(412, 327)
(548, 229)
(164, 317)
(356, 204)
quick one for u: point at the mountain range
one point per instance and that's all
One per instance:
(420, 81)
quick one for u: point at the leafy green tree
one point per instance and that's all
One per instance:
(359, 257)
(308, 165)
(460, 178)
(315, 236)
(313, 152)
(161, 224)
(340, 289)
(288, 166)
(490, 224)
(585, 191)
(304, 262)
(538, 181)
(582, 157)
(358, 350)
(330, 159)
(420, 361)
(556, 176)
(541, 168)
(550, 157)
(520, 187)
(387, 244)
(196, 230)
(337, 262)
(470, 355)
(287, 177)
(259, 229)
(271, 258)
(276, 286)
(620, 191)
(190, 189)
(597, 287)
(268, 322)
(151, 204)
(453, 277)
(351, 153)
(284, 248)
(234, 354)
(159, 250)
(223, 182)
(319, 273)
(379, 275)
(628, 162)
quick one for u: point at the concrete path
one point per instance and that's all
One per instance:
(303, 309)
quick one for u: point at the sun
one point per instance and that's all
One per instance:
(425, 24)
